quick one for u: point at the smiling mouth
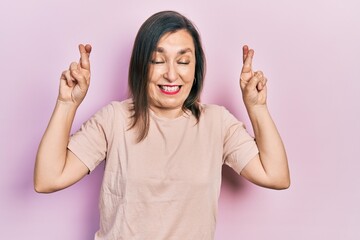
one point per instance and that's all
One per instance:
(170, 89)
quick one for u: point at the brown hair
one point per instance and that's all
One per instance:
(145, 43)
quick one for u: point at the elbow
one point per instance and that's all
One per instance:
(45, 183)
(39, 190)
(40, 187)
(282, 184)
(281, 181)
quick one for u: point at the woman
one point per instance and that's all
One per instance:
(164, 150)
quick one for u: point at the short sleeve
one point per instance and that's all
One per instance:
(90, 142)
(239, 146)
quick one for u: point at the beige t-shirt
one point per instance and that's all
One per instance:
(167, 186)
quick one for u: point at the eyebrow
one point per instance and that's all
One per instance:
(182, 51)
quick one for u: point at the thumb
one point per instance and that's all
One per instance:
(254, 81)
(80, 79)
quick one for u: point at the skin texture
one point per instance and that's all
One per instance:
(173, 64)
(172, 67)
(56, 167)
(75, 81)
(270, 167)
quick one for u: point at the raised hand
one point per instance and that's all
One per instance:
(252, 84)
(75, 81)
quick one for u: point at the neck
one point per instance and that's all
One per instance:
(167, 113)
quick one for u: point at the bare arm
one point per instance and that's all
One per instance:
(56, 167)
(270, 167)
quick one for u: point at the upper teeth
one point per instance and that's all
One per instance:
(170, 88)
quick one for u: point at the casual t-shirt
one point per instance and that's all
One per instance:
(165, 187)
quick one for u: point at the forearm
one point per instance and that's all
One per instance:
(51, 155)
(272, 151)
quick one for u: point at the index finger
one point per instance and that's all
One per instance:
(248, 60)
(84, 56)
(245, 52)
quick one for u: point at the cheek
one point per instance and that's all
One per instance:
(157, 70)
(154, 73)
(152, 89)
(188, 74)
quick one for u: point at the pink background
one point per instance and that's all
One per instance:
(309, 51)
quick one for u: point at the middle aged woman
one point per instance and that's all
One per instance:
(164, 149)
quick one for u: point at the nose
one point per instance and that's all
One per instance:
(171, 73)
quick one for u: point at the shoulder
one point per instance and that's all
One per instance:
(213, 110)
(115, 111)
(212, 114)
(210, 108)
(123, 107)
(117, 108)
(220, 114)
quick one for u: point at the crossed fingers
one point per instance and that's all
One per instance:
(75, 73)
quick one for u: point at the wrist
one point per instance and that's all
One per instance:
(257, 110)
(65, 105)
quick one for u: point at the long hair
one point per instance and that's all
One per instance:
(145, 43)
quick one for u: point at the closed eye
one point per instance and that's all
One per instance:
(156, 62)
(184, 63)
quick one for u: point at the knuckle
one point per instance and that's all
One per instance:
(67, 73)
(73, 65)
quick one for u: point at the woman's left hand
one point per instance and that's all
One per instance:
(269, 168)
(252, 84)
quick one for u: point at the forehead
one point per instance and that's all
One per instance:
(178, 40)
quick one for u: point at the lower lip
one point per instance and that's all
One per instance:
(169, 93)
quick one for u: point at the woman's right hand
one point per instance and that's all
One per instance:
(75, 81)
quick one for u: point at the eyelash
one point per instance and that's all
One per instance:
(156, 62)
(161, 62)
